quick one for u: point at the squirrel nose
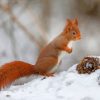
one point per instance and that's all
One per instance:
(79, 37)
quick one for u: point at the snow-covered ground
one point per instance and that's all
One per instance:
(66, 85)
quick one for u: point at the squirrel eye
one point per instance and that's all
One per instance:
(74, 33)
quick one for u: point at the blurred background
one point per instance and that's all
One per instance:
(28, 25)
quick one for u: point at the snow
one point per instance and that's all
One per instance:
(66, 85)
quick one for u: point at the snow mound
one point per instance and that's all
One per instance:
(66, 85)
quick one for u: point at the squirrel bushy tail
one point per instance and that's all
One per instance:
(9, 72)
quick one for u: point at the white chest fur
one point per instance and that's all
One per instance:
(60, 58)
(70, 44)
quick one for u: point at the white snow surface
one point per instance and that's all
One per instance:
(66, 85)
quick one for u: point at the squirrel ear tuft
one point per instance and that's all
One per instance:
(76, 21)
(69, 21)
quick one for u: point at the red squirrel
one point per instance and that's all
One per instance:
(48, 58)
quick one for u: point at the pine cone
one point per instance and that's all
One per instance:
(88, 65)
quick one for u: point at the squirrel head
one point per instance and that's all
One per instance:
(72, 30)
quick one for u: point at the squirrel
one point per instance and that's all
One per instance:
(48, 59)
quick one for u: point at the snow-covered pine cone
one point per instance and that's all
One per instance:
(88, 65)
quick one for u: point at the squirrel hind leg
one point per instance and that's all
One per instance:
(47, 74)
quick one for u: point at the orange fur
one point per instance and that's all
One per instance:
(9, 72)
(47, 59)
(49, 55)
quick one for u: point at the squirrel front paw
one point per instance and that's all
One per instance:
(69, 50)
